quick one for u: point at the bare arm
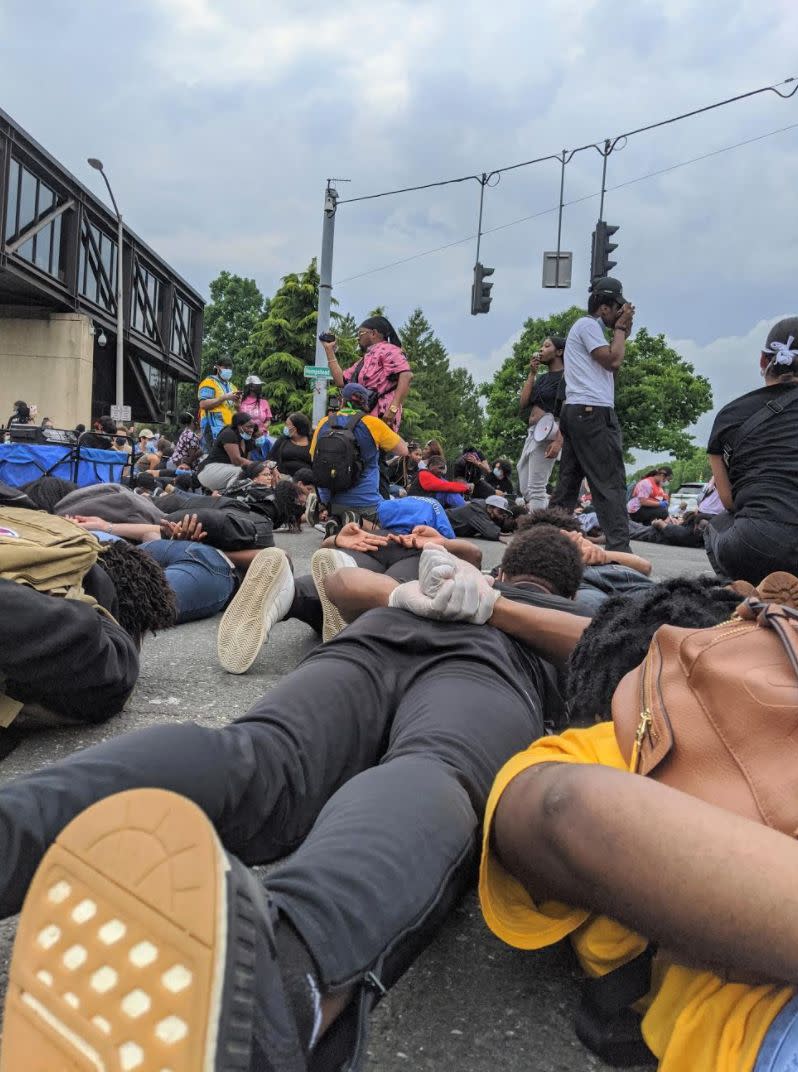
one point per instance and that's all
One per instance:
(611, 357)
(354, 591)
(526, 391)
(553, 634)
(332, 360)
(722, 482)
(402, 388)
(633, 562)
(712, 887)
(212, 403)
(138, 532)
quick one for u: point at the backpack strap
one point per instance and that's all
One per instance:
(354, 421)
(770, 409)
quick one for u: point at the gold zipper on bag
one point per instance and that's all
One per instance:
(645, 718)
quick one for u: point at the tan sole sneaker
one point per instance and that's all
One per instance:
(779, 587)
(264, 598)
(125, 948)
(324, 562)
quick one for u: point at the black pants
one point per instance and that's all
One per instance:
(371, 765)
(593, 448)
(644, 515)
(748, 549)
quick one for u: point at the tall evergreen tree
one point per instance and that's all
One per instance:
(234, 311)
(443, 402)
(285, 341)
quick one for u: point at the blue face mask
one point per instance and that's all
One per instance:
(151, 448)
(245, 435)
(260, 440)
(287, 433)
(225, 374)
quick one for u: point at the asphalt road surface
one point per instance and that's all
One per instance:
(469, 1003)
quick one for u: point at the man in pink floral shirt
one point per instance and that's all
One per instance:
(383, 368)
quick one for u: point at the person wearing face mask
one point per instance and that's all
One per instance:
(218, 400)
(291, 450)
(228, 455)
(430, 483)
(253, 403)
(499, 477)
(592, 443)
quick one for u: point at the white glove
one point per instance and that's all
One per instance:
(437, 565)
(461, 597)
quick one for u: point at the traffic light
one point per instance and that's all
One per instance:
(480, 291)
(600, 263)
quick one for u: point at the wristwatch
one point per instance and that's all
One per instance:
(393, 409)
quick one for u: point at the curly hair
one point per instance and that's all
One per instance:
(146, 602)
(552, 515)
(617, 639)
(47, 491)
(545, 552)
(289, 509)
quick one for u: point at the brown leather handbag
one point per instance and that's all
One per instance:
(714, 712)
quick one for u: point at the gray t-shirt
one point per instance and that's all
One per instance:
(587, 383)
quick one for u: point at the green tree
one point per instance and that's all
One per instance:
(285, 341)
(658, 393)
(443, 402)
(235, 309)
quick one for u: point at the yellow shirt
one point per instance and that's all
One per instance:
(222, 414)
(694, 1021)
(384, 437)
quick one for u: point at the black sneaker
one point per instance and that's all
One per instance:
(143, 945)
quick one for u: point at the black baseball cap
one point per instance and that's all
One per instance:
(608, 287)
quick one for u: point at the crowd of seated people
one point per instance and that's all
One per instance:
(370, 778)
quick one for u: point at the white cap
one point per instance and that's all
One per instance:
(147, 433)
(499, 502)
(256, 380)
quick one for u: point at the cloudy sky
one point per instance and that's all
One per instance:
(220, 120)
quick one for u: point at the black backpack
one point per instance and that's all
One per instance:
(337, 464)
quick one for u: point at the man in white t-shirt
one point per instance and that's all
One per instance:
(592, 445)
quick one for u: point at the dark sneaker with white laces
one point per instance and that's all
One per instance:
(143, 946)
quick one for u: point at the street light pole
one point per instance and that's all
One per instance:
(120, 314)
(325, 298)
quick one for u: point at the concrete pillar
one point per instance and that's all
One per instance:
(47, 361)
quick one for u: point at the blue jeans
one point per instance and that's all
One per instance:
(779, 1050)
(200, 577)
(599, 583)
(449, 500)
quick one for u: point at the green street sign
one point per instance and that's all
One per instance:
(317, 372)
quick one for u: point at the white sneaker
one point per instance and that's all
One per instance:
(265, 597)
(324, 562)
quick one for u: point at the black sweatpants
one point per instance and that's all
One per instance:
(593, 448)
(370, 765)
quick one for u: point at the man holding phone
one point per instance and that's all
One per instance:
(383, 368)
(592, 443)
(218, 399)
